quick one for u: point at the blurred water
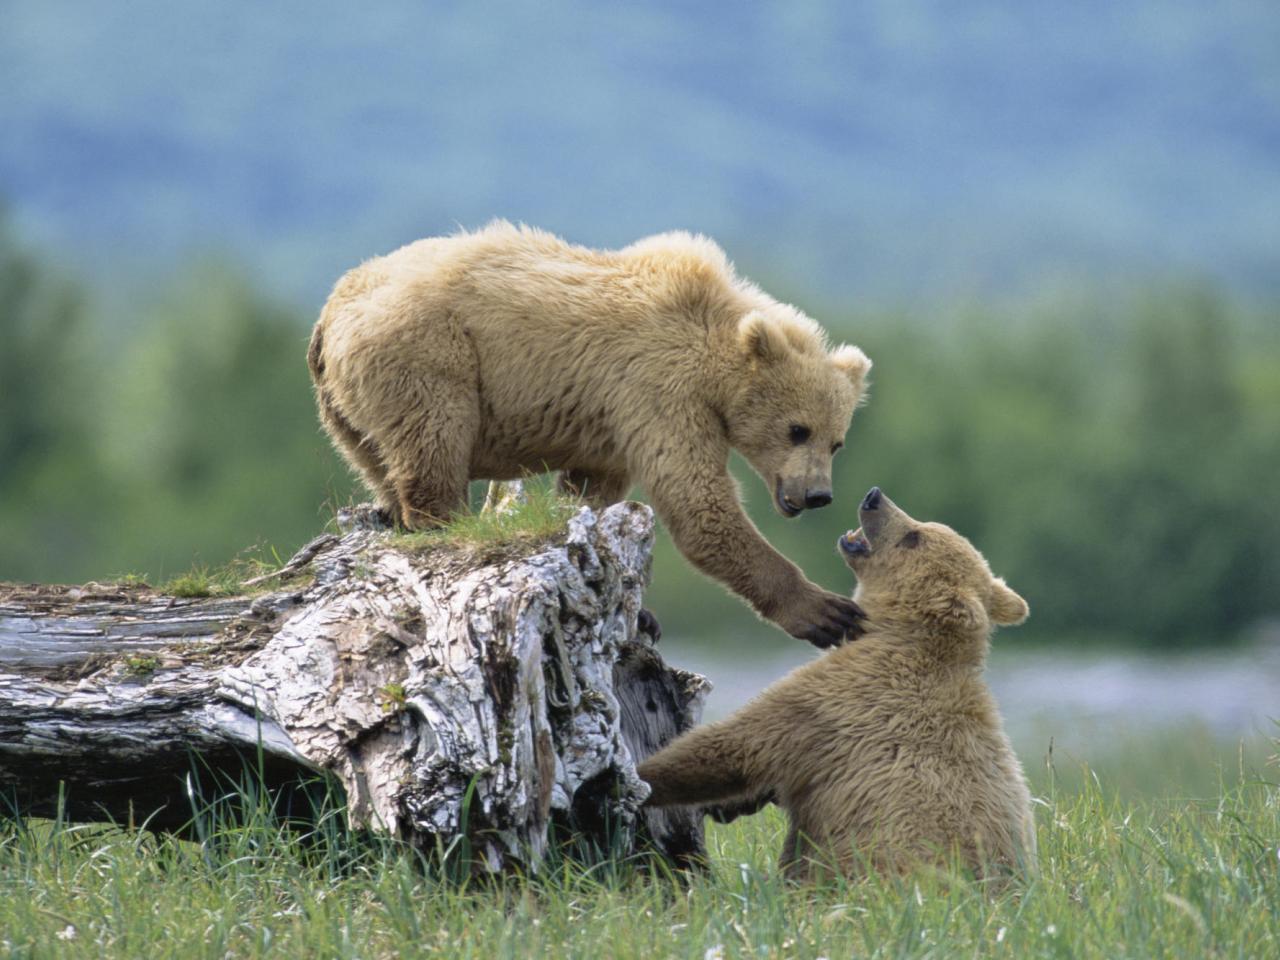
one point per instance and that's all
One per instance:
(1042, 693)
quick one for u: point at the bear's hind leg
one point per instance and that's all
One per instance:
(430, 466)
(791, 861)
(360, 451)
(800, 859)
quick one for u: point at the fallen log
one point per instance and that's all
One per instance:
(501, 692)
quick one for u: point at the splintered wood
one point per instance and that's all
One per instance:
(505, 695)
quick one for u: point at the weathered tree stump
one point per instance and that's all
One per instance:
(497, 691)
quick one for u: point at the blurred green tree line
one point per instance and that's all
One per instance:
(1117, 463)
(178, 437)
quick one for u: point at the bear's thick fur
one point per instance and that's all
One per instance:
(889, 751)
(493, 354)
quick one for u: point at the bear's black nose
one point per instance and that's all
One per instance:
(816, 498)
(872, 500)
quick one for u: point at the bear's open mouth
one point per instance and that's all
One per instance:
(855, 544)
(785, 506)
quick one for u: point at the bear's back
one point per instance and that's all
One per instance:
(507, 277)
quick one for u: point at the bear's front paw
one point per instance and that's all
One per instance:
(824, 619)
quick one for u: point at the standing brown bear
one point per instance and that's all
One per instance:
(886, 752)
(494, 354)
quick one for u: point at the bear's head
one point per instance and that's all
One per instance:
(792, 405)
(924, 576)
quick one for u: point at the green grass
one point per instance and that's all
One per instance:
(541, 515)
(227, 580)
(141, 665)
(1135, 877)
(201, 581)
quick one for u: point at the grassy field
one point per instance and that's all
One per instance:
(1123, 875)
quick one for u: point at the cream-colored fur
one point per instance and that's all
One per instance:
(493, 354)
(888, 751)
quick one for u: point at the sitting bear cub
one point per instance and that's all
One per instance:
(890, 751)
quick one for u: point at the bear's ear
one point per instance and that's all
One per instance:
(961, 612)
(761, 338)
(1006, 607)
(852, 362)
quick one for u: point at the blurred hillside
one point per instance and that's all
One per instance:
(1116, 463)
(1054, 227)
(872, 153)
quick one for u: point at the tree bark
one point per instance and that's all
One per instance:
(500, 693)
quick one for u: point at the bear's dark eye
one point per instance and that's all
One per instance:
(835, 447)
(799, 434)
(910, 539)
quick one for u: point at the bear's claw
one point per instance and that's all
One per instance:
(822, 637)
(646, 622)
(841, 620)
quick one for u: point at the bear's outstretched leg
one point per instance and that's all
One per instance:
(597, 489)
(704, 766)
(699, 505)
